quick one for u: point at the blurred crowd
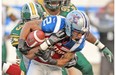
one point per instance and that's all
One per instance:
(102, 26)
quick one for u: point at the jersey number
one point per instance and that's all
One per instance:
(47, 21)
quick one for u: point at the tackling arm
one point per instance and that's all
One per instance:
(91, 38)
(28, 26)
(62, 62)
(107, 53)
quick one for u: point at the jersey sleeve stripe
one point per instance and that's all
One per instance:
(58, 23)
(33, 9)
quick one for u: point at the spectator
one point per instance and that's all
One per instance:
(106, 28)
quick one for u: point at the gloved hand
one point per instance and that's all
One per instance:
(108, 54)
(55, 37)
(46, 56)
(71, 63)
(22, 46)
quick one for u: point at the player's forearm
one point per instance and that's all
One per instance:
(24, 32)
(62, 62)
(95, 41)
(91, 38)
(29, 26)
(107, 53)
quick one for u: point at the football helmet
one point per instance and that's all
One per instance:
(31, 11)
(76, 20)
(53, 4)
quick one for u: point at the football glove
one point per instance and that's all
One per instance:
(71, 63)
(22, 46)
(46, 56)
(108, 54)
(56, 37)
(43, 54)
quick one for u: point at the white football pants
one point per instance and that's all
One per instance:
(37, 68)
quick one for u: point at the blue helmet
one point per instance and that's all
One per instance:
(76, 20)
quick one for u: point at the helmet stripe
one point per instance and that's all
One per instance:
(85, 18)
(32, 8)
(29, 9)
(58, 23)
(35, 9)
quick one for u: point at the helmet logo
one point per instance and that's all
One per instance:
(74, 19)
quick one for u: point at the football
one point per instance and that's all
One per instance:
(35, 38)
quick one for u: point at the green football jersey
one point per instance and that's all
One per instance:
(64, 10)
(15, 33)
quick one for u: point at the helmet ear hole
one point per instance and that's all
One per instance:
(76, 20)
(26, 8)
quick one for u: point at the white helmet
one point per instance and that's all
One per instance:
(76, 20)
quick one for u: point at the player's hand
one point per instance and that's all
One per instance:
(68, 55)
(56, 37)
(108, 54)
(22, 46)
(44, 55)
(63, 61)
(71, 63)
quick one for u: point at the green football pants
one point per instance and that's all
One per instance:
(83, 64)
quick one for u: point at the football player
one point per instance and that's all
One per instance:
(77, 28)
(54, 7)
(64, 11)
(30, 11)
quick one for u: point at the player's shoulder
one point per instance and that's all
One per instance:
(15, 33)
(73, 6)
(68, 8)
(17, 28)
(41, 5)
(53, 23)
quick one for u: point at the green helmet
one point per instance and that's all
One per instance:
(53, 4)
(31, 11)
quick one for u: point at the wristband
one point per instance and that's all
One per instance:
(44, 45)
(99, 44)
